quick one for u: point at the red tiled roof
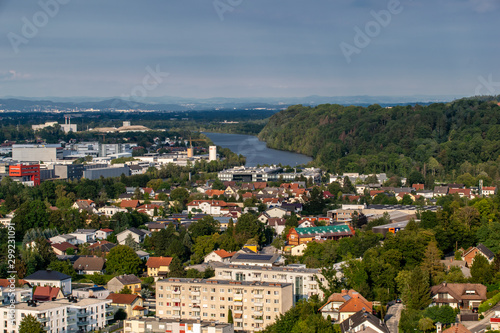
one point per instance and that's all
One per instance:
(138, 308)
(355, 304)
(224, 253)
(107, 230)
(129, 203)
(210, 202)
(148, 190)
(211, 193)
(45, 293)
(156, 262)
(457, 328)
(4, 283)
(122, 298)
(63, 246)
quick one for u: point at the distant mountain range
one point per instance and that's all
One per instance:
(173, 104)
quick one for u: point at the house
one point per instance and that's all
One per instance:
(119, 282)
(495, 321)
(488, 190)
(306, 223)
(298, 250)
(255, 259)
(63, 238)
(297, 236)
(440, 191)
(462, 192)
(131, 304)
(219, 256)
(340, 306)
(85, 205)
(456, 328)
(418, 187)
(149, 209)
(137, 234)
(470, 253)
(210, 207)
(158, 266)
(458, 295)
(276, 212)
(47, 293)
(103, 233)
(60, 248)
(152, 324)
(89, 265)
(277, 223)
(213, 193)
(103, 247)
(50, 278)
(132, 204)
(109, 211)
(143, 255)
(84, 235)
(149, 191)
(91, 292)
(363, 321)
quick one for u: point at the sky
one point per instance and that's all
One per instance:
(249, 48)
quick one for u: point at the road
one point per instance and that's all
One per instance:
(393, 316)
(480, 327)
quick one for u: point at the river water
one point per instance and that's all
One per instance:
(256, 151)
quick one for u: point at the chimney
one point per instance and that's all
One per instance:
(439, 327)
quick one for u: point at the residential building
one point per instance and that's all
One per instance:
(47, 293)
(456, 328)
(305, 281)
(85, 205)
(89, 265)
(84, 235)
(131, 304)
(256, 259)
(161, 325)
(91, 292)
(14, 295)
(61, 248)
(488, 190)
(495, 321)
(103, 233)
(130, 281)
(27, 174)
(298, 250)
(59, 239)
(219, 256)
(50, 278)
(254, 304)
(250, 174)
(210, 207)
(65, 315)
(297, 236)
(363, 321)
(158, 266)
(469, 254)
(341, 306)
(458, 295)
(138, 235)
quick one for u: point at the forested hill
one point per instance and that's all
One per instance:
(450, 139)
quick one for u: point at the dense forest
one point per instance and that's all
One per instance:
(439, 140)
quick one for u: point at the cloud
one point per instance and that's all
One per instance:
(483, 6)
(12, 75)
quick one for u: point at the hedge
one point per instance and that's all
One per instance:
(489, 303)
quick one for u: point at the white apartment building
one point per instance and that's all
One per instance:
(60, 316)
(302, 279)
(254, 305)
(162, 325)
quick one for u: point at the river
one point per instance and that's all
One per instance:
(255, 150)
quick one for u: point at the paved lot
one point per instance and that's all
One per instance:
(393, 316)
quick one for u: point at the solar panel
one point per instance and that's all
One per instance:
(254, 257)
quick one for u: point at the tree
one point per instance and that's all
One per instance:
(248, 226)
(30, 324)
(230, 317)
(415, 178)
(130, 242)
(64, 267)
(180, 194)
(425, 324)
(125, 290)
(414, 288)
(204, 227)
(481, 270)
(431, 263)
(122, 260)
(176, 268)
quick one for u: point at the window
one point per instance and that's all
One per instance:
(276, 293)
(222, 315)
(276, 310)
(221, 290)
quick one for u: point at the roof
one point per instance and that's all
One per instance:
(355, 304)
(4, 283)
(129, 203)
(45, 293)
(210, 202)
(156, 262)
(89, 264)
(253, 257)
(323, 230)
(457, 290)
(122, 298)
(224, 254)
(106, 230)
(361, 317)
(347, 295)
(63, 246)
(484, 250)
(127, 279)
(47, 275)
(136, 231)
(457, 328)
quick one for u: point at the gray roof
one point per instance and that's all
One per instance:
(359, 318)
(48, 275)
(255, 258)
(89, 264)
(487, 252)
(127, 279)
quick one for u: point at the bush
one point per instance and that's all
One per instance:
(489, 303)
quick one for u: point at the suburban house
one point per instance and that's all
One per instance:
(137, 234)
(219, 256)
(131, 304)
(440, 191)
(131, 204)
(84, 235)
(89, 265)
(85, 205)
(158, 266)
(458, 295)
(149, 209)
(276, 212)
(495, 321)
(47, 293)
(470, 253)
(363, 321)
(254, 259)
(488, 190)
(277, 223)
(61, 248)
(119, 282)
(52, 279)
(456, 328)
(103, 233)
(341, 306)
(298, 250)
(210, 207)
(111, 210)
(297, 236)
(101, 247)
(91, 292)
(63, 238)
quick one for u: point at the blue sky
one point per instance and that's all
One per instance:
(258, 49)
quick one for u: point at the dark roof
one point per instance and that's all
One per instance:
(260, 258)
(48, 275)
(487, 252)
(361, 317)
(89, 264)
(136, 231)
(127, 279)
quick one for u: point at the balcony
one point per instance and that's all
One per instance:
(195, 293)
(258, 313)
(258, 304)
(258, 296)
(110, 317)
(176, 292)
(176, 300)
(238, 303)
(238, 297)
(196, 301)
(176, 308)
(238, 319)
(71, 312)
(46, 328)
(258, 321)
(81, 314)
(43, 319)
(82, 323)
(238, 311)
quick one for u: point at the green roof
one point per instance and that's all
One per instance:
(321, 230)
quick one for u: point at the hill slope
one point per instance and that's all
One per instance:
(439, 138)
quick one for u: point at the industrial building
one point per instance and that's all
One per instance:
(37, 153)
(97, 173)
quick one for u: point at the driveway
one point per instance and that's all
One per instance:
(393, 316)
(480, 326)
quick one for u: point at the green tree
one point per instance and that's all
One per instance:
(176, 268)
(414, 288)
(481, 270)
(425, 324)
(130, 242)
(125, 290)
(248, 226)
(30, 324)
(204, 227)
(230, 317)
(64, 267)
(122, 260)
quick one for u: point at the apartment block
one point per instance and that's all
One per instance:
(157, 325)
(66, 315)
(302, 279)
(253, 305)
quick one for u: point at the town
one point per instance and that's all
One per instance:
(185, 238)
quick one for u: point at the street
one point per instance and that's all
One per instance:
(393, 316)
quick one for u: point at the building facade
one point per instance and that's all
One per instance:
(157, 325)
